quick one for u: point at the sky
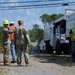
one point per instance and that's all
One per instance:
(31, 16)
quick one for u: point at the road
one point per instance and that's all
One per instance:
(13, 69)
(36, 69)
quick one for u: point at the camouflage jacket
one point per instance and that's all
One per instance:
(6, 35)
(21, 36)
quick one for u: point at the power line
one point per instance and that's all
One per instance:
(31, 7)
(29, 1)
(37, 6)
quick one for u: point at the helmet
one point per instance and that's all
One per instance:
(11, 22)
(5, 22)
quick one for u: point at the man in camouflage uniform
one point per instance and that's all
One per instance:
(6, 42)
(22, 42)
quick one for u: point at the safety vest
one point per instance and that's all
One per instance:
(12, 34)
(73, 34)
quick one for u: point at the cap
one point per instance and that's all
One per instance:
(20, 21)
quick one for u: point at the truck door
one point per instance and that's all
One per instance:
(60, 33)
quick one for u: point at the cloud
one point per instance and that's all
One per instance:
(71, 0)
(40, 24)
(34, 17)
(35, 21)
(30, 24)
(28, 12)
(2, 0)
(31, 12)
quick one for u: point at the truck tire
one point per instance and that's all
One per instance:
(50, 50)
(58, 47)
(65, 48)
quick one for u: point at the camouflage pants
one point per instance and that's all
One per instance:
(20, 49)
(6, 52)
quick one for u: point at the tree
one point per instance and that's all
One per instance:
(32, 35)
(47, 19)
(36, 33)
(35, 26)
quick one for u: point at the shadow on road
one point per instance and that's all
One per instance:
(63, 60)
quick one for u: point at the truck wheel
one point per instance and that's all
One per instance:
(50, 50)
(65, 48)
(58, 47)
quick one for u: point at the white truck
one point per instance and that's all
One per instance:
(48, 38)
(57, 34)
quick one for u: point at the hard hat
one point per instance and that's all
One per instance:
(11, 22)
(5, 22)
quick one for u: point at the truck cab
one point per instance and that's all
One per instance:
(61, 42)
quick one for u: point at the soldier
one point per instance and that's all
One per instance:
(22, 42)
(6, 42)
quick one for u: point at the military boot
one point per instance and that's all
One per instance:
(27, 65)
(7, 63)
(18, 64)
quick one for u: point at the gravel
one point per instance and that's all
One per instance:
(41, 65)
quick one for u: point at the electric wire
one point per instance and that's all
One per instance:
(29, 1)
(31, 7)
(36, 6)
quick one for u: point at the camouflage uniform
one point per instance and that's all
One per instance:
(21, 40)
(6, 44)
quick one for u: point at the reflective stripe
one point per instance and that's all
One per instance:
(73, 34)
